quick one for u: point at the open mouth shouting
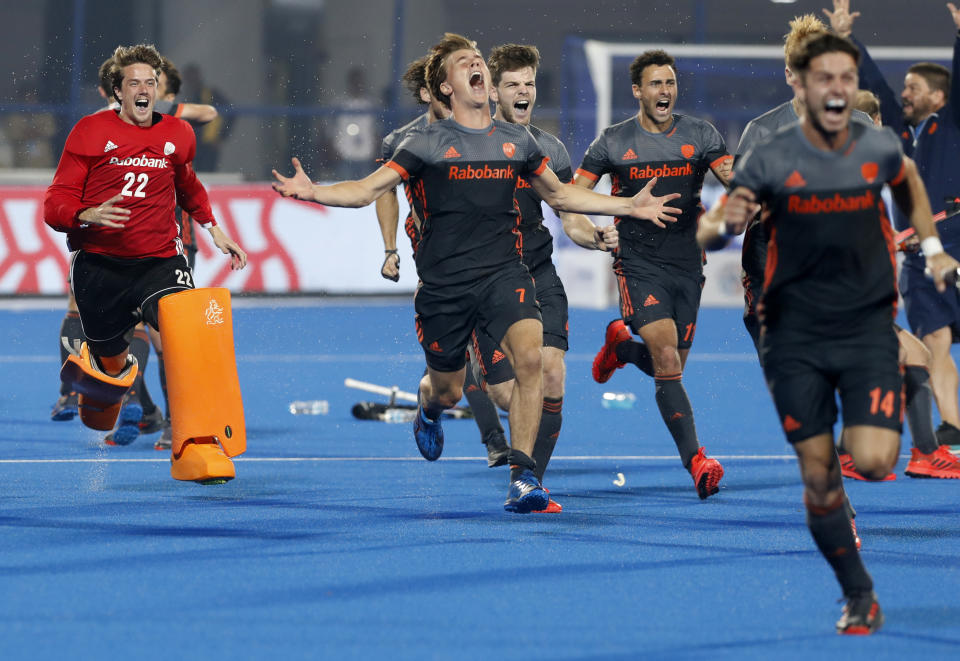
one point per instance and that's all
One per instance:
(521, 108)
(835, 106)
(476, 81)
(142, 102)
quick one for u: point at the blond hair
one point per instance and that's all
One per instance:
(801, 27)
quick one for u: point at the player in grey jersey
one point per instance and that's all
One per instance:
(830, 294)
(513, 71)
(464, 170)
(659, 270)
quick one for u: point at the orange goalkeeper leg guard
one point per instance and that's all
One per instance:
(99, 394)
(206, 408)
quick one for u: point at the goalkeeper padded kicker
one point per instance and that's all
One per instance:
(99, 394)
(206, 407)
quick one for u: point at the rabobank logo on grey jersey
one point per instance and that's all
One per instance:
(139, 162)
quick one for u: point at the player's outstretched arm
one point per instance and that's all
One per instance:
(198, 112)
(841, 20)
(911, 196)
(577, 199)
(226, 245)
(350, 194)
(585, 234)
(388, 215)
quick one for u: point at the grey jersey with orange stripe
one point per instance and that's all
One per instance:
(680, 159)
(759, 129)
(463, 182)
(831, 260)
(387, 147)
(537, 240)
(396, 136)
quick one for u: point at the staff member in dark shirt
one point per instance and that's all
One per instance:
(926, 116)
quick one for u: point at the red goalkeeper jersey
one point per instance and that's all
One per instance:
(150, 167)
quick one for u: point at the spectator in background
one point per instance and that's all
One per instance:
(354, 131)
(210, 136)
(30, 133)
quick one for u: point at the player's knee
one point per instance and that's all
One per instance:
(914, 352)
(447, 395)
(875, 465)
(666, 359)
(553, 378)
(527, 363)
(823, 498)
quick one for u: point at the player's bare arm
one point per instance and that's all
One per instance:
(645, 205)
(723, 171)
(911, 196)
(388, 215)
(585, 234)
(741, 206)
(954, 13)
(841, 20)
(198, 112)
(714, 224)
(106, 214)
(226, 245)
(349, 194)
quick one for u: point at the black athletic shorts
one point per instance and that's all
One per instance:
(488, 360)
(753, 261)
(486, 354)
(804, 376)
(447, 315)
(113, 295)
(651, 292)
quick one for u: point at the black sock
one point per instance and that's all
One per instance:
(71, 332)
(547, 434)
(140, 348)
(916, 380)
(163, 384)
(519, 462)
(852, 513)
(677, 414)
(830, 527)
(484, 410)
(637, 353)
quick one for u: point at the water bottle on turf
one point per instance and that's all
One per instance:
(311, 407)
(398, 415)
(618, 400)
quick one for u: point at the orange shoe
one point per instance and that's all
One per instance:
(861, 615)
(553, 507)
(204, 463)
(849, 469)
(939, 463)
(706, 474)
(606, 363)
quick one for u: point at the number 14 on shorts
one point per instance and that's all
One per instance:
(881, 401)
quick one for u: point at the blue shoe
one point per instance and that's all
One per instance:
(526, 495)
(128, 425)
(429, 435)
(65, 408)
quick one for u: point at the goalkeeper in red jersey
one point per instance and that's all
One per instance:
(121, 175)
